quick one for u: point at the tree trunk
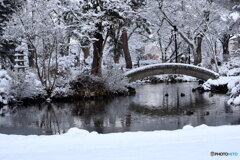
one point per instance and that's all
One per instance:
(31, 56)
(97, 55)
(198, 50)
(126, 49)
(225, 43)
(115, 41)
(86, 52)
(116, 57)
(65, 49)
(117, 51)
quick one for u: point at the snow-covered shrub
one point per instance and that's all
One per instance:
(67, 69)
(5, 83)
(25, 85)
(234, 72)
(114, 79)
(44, 36)
(86, 85)
(230, 82)
(233, 86)
(112, 82)
(235, 95)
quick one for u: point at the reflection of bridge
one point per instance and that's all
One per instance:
(171, 68)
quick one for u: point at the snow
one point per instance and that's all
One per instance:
(230, 81)
(5, 81)
(16, 55)
(232, 84)
(233, 72)
(236, 101)
(186, 144)
(235, 93)
(235, 16)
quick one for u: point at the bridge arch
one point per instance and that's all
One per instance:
(171, 68)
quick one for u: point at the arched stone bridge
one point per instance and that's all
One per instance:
(171, 68)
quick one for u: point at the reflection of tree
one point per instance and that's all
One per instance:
(161, 110)
(128, 120)
(236, 122)
(155, 111)
(91, 111)
(48, 119)
(228, 109)
(99, 116)
(4, 110)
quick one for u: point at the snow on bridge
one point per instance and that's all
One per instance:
(171, 68)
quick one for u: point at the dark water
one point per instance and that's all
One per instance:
(150, 109)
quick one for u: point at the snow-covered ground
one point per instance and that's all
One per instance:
(186, 144)
(233, 85)
(230, 81)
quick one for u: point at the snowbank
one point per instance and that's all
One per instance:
(186, 144)
(235, 94)
(229, 81)
(233, 86)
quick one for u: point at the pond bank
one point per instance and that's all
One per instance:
(17, 88)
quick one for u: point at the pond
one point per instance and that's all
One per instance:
(154, 107)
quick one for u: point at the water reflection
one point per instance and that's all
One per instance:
(154, 107)
(48, 119)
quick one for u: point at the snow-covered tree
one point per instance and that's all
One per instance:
(37, 24)
(190, 21)
(94, 21)
(226, 28)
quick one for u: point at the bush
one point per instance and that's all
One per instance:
(26, 85)
(5, 83)
(114, 80)
(235, 95)
(111, 83)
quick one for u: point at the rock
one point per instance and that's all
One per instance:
(210, 94)
(172, 79)
(48, 100)
(182, 95)
(131, 90)
(219, 89)
(201, 82)
(155, 80)
(194, 90)
(189, 113)
(206, 113)
(200, 89)
(166, 95)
